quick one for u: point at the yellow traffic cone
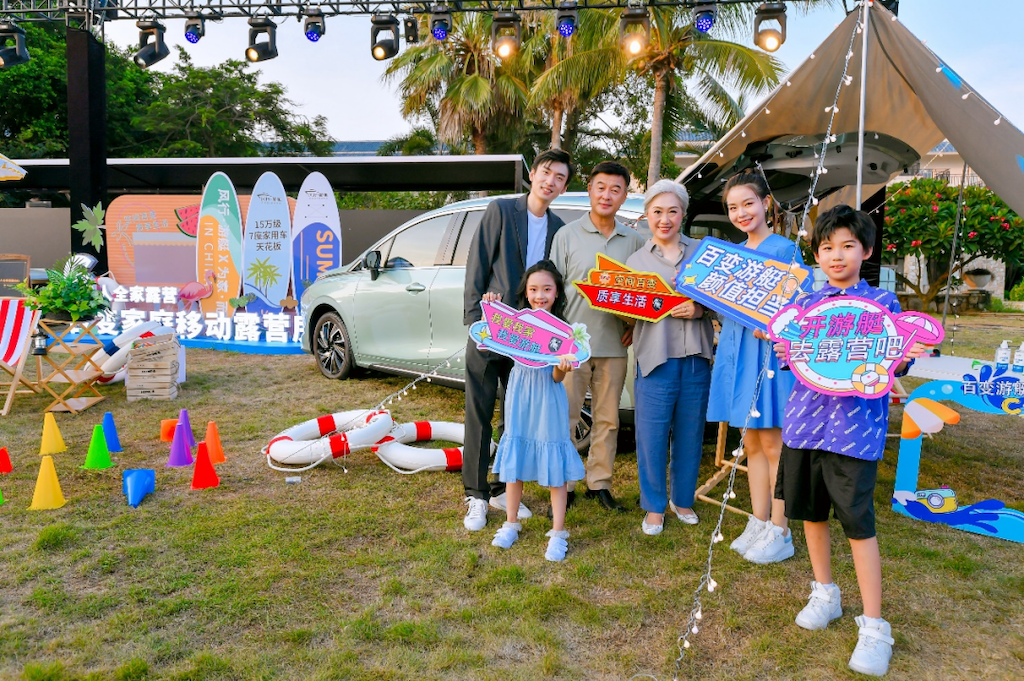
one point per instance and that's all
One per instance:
(53, 443)
(47, 495)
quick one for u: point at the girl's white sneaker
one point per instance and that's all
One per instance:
(754, 529)
(558, 545)
(507, 535)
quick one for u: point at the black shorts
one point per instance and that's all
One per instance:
(811, 481)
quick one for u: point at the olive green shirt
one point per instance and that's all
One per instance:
(671, 338)
(574, 251)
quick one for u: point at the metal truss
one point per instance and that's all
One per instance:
(96, 12)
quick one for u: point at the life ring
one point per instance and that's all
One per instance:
(316, 440)
(394, 450)
(870, 379)
(113, 356)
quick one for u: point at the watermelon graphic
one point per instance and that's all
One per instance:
(188, 217)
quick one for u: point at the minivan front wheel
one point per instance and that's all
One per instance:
(332, 347)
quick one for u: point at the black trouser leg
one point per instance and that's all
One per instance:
(484, 372)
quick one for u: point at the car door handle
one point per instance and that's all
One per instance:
(415, 288)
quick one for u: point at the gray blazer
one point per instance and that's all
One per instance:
(497, 255)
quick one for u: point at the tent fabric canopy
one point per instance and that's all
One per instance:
(912, 96)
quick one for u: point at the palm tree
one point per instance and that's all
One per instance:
(459, 81)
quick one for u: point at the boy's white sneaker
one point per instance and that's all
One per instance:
(825, 605)
(498, 502)
(874, 647)
(476, 514)
(773, 546)
(753, 531)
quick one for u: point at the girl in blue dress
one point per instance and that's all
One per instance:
(738, 363)
(536, 444)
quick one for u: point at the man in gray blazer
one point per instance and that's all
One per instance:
(514, 234)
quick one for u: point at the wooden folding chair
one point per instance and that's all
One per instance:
(17, 324)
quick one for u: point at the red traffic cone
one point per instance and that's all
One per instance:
(204, 475)
(5, 461)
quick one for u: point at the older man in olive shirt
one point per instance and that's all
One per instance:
(574, 250)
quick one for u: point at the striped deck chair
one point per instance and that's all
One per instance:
(17, 323)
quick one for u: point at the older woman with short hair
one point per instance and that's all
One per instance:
(673, 372)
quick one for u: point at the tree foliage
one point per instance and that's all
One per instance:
(192, 111)
(920, 217)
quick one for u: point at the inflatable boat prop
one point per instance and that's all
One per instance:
(534, 338)
(333, 436)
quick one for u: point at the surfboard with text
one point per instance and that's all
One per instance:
(219, 244)
(267, 254)
(316, 233)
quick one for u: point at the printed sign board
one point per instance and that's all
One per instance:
(267, 254)
(316, 233)
(846, 345)
(613, 287)
(745, 285)
(534, 338)
(219, 249)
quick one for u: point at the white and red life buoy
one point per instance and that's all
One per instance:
(394, 450)
(329, 436)
(112, 357)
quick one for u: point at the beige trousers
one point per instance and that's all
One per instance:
(604, 378)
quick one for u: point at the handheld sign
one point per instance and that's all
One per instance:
(534, 338)
(745, 285)
(846, 345)
(613, 287)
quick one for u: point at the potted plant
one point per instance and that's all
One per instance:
(71, 294)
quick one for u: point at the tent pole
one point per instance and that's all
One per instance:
(956, 233)
(863, 102)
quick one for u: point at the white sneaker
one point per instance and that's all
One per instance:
(476, 515)
(753, 531)
(498, 502)
(507, 535)
(773, 546)
(874, 647)
(825, 605)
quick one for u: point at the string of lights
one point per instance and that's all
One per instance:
(386, 28)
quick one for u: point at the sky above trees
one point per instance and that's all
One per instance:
(337, 77)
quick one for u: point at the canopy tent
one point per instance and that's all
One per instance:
(9, 170)
(914, 100)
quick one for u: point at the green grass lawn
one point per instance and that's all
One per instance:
(367, 574)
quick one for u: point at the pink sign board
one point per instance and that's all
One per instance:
(534, 338)
(846, 345)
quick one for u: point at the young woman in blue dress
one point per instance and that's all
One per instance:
(536, 444)
(739, 360)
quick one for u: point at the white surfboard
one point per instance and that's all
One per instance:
(316, 233)
(267, 255)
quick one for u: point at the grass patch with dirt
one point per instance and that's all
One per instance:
(366, 574)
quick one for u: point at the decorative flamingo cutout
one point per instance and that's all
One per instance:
(193, 291)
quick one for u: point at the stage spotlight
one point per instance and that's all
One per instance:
(770, 38)
(150, 53)
(412, 30)
(261, 51)
(440, 22)
(383, 46)
(16, 52)
(195, 27)
(506, 33)
(314, 26)
(566, 19)
(704, 15)
(634, 30)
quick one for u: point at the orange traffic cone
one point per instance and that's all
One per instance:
(204, 475)
(213, 443)
(52, 443)
(47, 495)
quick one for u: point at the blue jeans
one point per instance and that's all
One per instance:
(671, 401)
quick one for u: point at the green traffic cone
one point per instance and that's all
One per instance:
(98, 457)
(1, 498)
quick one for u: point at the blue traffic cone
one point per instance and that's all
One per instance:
(110, 433)
(136, 483)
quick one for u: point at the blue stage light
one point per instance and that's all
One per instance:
(704, 15)
(567, 19)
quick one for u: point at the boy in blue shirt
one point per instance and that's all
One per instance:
(831, 450)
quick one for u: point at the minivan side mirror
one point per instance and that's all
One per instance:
(372, 262)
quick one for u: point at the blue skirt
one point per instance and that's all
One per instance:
(536, 445)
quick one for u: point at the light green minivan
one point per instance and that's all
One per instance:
(405, 316)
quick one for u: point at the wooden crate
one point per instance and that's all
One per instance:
(153, 368)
